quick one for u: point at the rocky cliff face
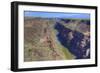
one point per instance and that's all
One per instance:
(45, 40)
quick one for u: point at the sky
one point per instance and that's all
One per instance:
(57, 15)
